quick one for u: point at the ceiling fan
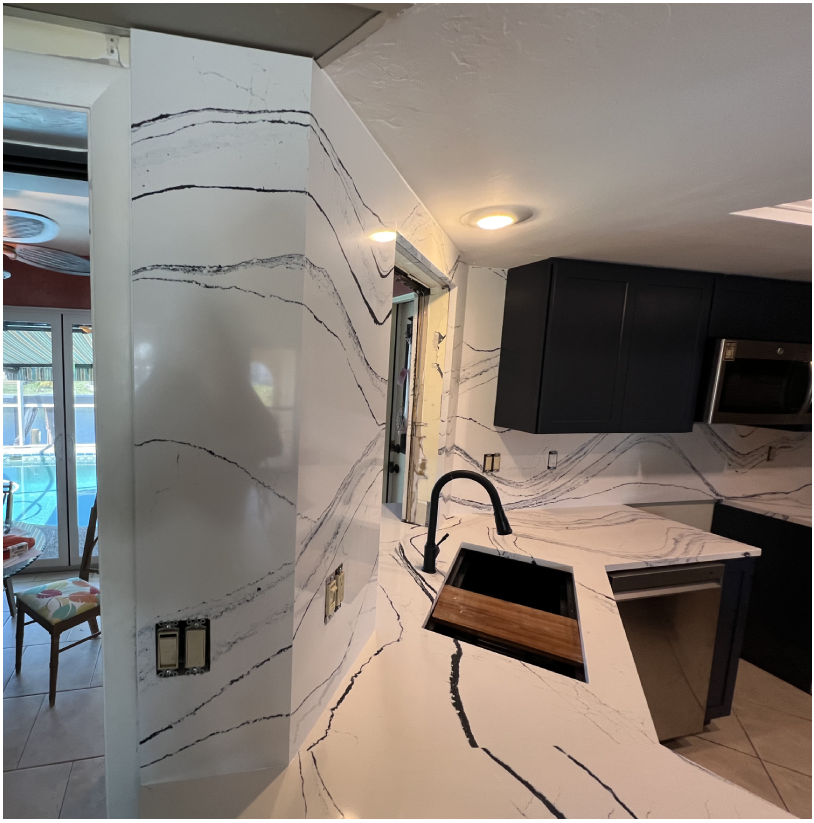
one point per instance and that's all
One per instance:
(23, 231)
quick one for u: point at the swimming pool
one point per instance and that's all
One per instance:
(35, 493)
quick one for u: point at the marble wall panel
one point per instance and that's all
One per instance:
(219, 165)
(261, 323)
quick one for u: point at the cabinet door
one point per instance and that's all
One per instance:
(521, 347)
(666, 348)
(777, 632)
(586, 347)
(761, 308)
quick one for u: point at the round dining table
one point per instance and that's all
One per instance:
(14, 565)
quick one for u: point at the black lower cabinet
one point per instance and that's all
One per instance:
(777, 634)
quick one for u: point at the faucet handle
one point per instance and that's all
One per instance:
(438, 544)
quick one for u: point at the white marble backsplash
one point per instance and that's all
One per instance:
(711, 462)
(261, 329)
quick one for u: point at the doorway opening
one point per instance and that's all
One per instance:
(407, 331)
(50, 564)
(49, 433)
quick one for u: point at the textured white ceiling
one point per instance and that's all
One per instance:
(632, 130)
(46, 126)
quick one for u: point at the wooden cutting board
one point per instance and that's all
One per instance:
(527, 629)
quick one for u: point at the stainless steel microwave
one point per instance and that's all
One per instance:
(755, 383)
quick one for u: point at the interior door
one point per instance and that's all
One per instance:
(400, 387)
(34, 443)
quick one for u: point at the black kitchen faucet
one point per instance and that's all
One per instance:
(431, 547)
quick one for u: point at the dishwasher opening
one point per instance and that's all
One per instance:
(670, 617)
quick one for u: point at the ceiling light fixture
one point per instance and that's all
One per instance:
(798, 212)
(495, 221)
(27, 227)
(496, 217)
(383, 236)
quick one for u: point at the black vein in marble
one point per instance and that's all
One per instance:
(455, 694)
(262, 190)
(335, 542)
(215, 734)
(246, 593)
(253, 113)
(483, 351)
(359, 671)
(600, 594)
(302, 786)
(266, 120)
(339, 666)
(601, 783)
(217, 694)
(482, 425)
(140, 124)
(538, 794)
(292, 262)
(220, 457)
(330, 796)
(425, 587)
(741, 461)
(217, 287)
(561, 483)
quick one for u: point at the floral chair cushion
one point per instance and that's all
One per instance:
(61, 600)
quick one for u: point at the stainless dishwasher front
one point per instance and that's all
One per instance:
(670, 617)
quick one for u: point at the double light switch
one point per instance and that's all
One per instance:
(182, 647)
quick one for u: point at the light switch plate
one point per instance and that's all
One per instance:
(168, 648)
(334, 592)
(182, 647)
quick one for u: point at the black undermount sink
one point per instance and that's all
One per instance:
(517, 608)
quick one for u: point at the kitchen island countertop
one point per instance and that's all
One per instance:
(427, 726)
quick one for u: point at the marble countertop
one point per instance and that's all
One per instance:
(786, 509)
(427, 726)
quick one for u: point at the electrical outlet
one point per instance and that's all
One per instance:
(552, 460)
(334, 592)
(491, 463)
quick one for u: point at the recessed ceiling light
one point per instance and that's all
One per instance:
(495, 221)
(383, 236)
(496, 217)
(798, 212)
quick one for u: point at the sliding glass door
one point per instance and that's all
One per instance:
(80, 427)
(49, 443)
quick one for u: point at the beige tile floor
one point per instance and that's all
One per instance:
(764, 745)
(54, 765)
(53, 758)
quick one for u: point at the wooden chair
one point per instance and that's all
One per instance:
(61, 605)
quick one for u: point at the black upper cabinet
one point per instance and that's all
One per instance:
(601, 347)
(760, 308)
(587, 337)
(666, 350)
